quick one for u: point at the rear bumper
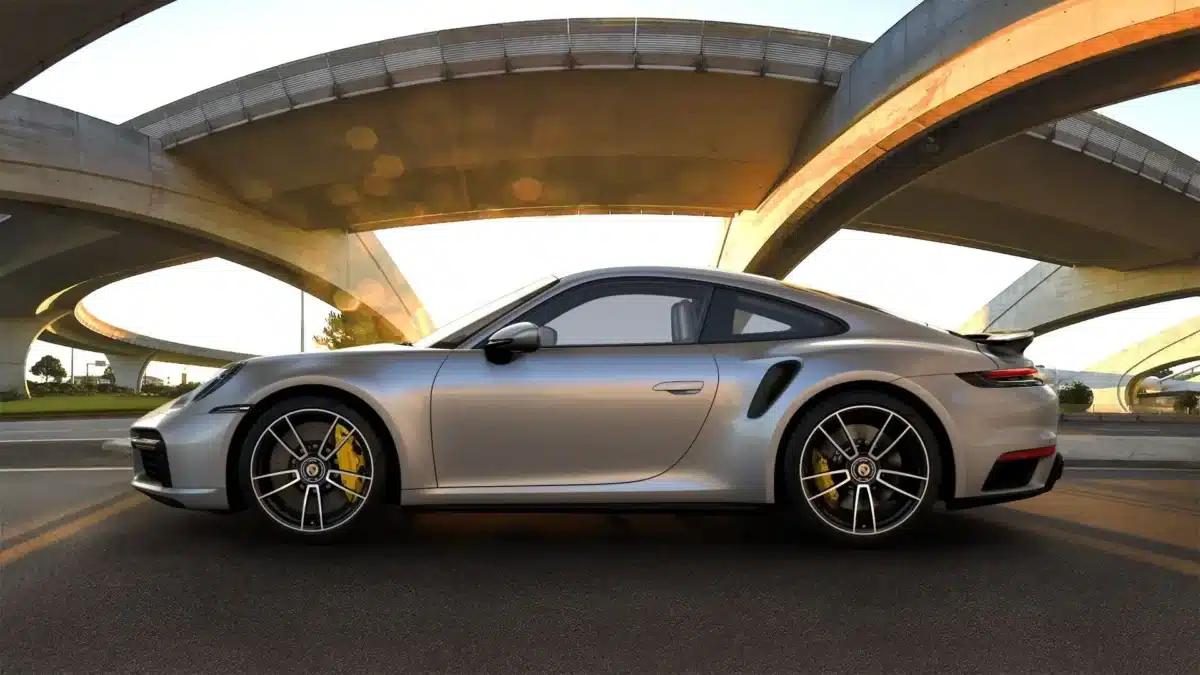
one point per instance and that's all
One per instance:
(1056, 471)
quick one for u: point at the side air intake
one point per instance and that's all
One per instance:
(774, 382)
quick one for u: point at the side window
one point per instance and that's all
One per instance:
(743, 317)
(626, 312)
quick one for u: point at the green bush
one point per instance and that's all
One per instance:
(1187, 403)
(1076, 394)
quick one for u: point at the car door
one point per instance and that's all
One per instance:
(618, 396)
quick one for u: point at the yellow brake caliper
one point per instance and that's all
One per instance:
(348, 460)
(821, 465)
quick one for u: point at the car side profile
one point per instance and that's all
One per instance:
(621, 388)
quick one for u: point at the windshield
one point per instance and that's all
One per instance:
(453, 333)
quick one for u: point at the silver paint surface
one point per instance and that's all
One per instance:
(591, 425)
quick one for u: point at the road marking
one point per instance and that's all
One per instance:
(58, 440)
(68, 529)
(40, 469)
(1136, 554)
(22, 529)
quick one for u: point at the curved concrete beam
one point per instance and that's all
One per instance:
(1049, 297)
(50, 155)
(1173, 346)
(37, 34)
(988, 71)
(171, 352)
(472, 141)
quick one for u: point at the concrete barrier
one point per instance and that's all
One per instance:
(1081, 450)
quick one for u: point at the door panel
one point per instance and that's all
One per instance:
(569, 416)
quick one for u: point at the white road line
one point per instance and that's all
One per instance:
(57, 440)
(46, 469)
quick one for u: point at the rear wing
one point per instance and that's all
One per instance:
(1011, 344)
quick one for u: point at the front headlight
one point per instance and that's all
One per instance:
(216, 383)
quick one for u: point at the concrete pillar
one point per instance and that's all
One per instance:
(129, 370)
(16, 336)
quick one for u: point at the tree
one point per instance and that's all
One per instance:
(49, 367)
(1187, 403)
(1076, 394)
(108, 375)
(347, 330)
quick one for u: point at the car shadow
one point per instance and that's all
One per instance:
(496, 536)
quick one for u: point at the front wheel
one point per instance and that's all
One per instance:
(313, 468)
(862, 467)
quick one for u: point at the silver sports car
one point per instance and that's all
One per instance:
(626, 388)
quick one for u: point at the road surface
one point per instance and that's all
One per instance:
(1099, 576)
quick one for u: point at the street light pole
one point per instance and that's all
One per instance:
(302, 320)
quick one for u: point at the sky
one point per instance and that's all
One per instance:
(191, 45)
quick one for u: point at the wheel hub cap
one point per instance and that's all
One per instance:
(312, 470)
(863, 470)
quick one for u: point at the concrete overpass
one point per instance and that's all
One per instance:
(54, 257)
(517, 119)
(546, 140)
(1115, 379)
(951, 79)
(94, 203)
(1049, 296)
(36, 34)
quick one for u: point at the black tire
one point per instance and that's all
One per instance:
(376, 487)
(806, 511)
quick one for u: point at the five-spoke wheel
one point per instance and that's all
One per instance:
(863, 465)
(311, 466)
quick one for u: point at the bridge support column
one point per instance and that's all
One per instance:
(16, 336)
(128, 370)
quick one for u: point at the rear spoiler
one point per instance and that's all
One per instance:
(1009, 343)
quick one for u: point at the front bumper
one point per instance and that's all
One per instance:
(179, 457)
(1056, 471)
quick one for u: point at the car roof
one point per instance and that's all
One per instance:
(704, 274)
(859, 314)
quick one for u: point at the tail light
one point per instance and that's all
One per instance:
(1005, 377)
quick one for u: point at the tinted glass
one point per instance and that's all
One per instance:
(624, 313)
(736, 316)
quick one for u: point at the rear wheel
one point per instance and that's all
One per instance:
(313, 468)
(862, 467)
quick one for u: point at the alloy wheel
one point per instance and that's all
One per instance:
(311, 470)
(864, 470)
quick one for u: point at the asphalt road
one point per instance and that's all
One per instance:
(1100, 576)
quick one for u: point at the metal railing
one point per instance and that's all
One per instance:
(1114, 143)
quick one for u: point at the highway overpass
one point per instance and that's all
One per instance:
(287, 170)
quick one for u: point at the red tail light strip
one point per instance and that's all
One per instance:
(1010, 373)
(1035, 453)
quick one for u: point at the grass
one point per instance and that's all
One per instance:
(67, 405)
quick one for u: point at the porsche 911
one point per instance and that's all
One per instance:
(621, 389)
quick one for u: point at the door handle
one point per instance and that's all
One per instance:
(680, 388)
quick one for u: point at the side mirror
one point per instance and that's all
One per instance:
(517, 338)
